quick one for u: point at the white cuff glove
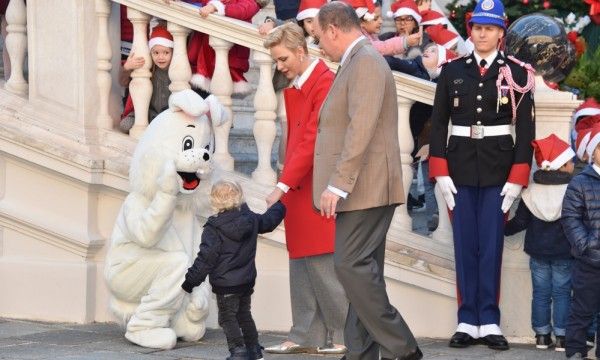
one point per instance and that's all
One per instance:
(510, 192)
(447, 188)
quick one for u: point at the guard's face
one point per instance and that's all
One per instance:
(486, 37)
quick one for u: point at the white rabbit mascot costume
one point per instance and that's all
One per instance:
(157, 232)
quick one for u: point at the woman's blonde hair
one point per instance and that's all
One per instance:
(289, 35)
(226, 195)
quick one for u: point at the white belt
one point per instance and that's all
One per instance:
(480, 131)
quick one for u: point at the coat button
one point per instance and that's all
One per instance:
(480, 84)
(478, 110)
(479, 97)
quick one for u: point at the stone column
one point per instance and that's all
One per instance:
(16, 44)
(104, 64)
(180, 71)
(140, 86)
(265, 104)
(221, 86)
(406, 147)
(282, 116)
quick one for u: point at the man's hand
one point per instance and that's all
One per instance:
(207, 10)
(510, 192)
(328, 203)
(274, 196)
(448, 189)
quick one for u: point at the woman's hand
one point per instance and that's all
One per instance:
(207, 10)
(133, 62)
(265, 27)
(414, 39)
(274, 196)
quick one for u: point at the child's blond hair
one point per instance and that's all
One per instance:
(226, 195)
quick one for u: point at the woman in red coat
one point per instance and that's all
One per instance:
(319, 304)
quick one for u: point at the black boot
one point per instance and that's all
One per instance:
(238, 353)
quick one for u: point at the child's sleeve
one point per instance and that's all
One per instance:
(210, 248)
(393, 46)
(268, 221)
(572, 221)
(519, 222)
(240, 9)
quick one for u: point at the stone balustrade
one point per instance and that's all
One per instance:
(16, 45)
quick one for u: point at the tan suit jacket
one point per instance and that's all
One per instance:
(357, 147)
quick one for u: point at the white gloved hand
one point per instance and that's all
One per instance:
(510, 192)
(448, 189)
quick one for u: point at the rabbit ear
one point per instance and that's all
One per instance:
(189, 102)
(218, 114)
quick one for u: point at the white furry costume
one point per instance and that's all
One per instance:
(157, 232)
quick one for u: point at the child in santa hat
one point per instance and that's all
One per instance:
(202, 55)
(550, 261)
(161, 51)
(426, 66)
(407, 19)
(307, 12)
(581, 224)
(370, 24)
(442, 36)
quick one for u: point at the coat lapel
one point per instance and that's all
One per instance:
(471, 67)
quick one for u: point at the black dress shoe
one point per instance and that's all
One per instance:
(496, 342)
(460, 340)
(416, 355)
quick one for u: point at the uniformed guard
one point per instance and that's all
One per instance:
(480, 170)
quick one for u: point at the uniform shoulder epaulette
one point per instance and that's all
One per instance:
(453, 59)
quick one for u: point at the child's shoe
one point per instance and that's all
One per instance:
(238, 353)
(560, 343)
(543, 341)
(255, 352)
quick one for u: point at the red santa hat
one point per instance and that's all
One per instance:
(442, 36)
(432, 17)
(365, 9)
(587, 122)
(589, 107)
(444, 55)
(583, 138)
(309, 9)
(551, 152)
(160, 36)
(594, 141)
(404, 7)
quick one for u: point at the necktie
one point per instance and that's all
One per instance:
(482, 68)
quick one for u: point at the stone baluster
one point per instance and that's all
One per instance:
(104, 65)
(282, 116)
(140, 87)
(443, 233)
(16, 44)
(221, 86)
(180, 71)
(406, 147)
(265, 104)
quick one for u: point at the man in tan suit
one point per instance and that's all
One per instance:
(357, 159)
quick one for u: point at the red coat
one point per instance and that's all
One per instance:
(202, 56)
(307, 232)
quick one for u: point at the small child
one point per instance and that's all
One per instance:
(226, 256)
(202, 55)
(426, 66)
(408, 24)
(550, 253)
(581, 223)
(161, 51)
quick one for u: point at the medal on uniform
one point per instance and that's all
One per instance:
(456, 102)
(504, 100)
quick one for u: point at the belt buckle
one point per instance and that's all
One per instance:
(477, 131)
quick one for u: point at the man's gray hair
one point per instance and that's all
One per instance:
(340, 15)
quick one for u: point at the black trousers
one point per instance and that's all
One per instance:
(584, 307)
(236, 319)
